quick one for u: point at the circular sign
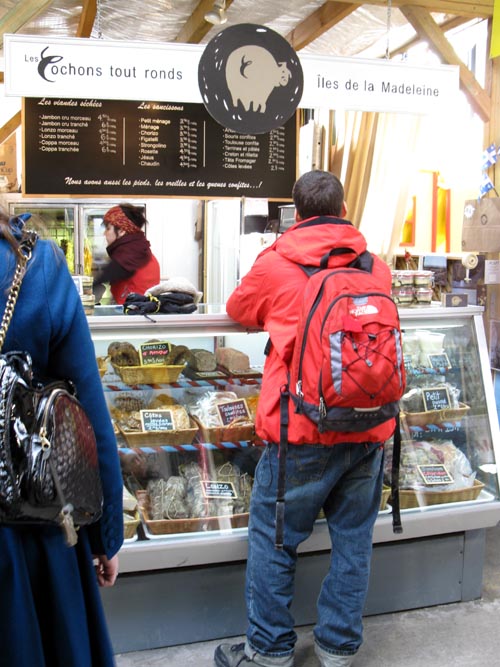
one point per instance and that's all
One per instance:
(250, 79)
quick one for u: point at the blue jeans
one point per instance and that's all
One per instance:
(346, 481)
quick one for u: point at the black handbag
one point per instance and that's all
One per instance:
(49, 469)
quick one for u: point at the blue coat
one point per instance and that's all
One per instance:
(50, 606)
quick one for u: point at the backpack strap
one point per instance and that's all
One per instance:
(364, 262)
(396, 457)
(282, 454)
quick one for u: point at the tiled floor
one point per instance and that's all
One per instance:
(455, 635)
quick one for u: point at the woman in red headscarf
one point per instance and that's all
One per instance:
(132, 266)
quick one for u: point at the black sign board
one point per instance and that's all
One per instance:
(435, 474)
(218, 489)
(154, 353)
(439, 361)
(117, 148)
(232, 410)
(157, 420)
(436, 398)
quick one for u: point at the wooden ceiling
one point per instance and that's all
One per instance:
(418, 13)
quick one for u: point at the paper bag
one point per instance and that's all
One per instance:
(481, 225)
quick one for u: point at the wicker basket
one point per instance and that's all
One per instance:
(102, 365)
(410, 498)
(233, 432)
(130, 526)
(171, 526)
(386, 492)
(184, 436)
(153, 374)
(435, 416)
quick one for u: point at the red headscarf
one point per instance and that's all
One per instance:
(116, 217)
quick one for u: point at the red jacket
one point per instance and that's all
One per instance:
(270, 297)
(132, 253)
(144, 278)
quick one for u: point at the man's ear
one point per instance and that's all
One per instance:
(343, 212)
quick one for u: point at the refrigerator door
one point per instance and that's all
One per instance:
(56, 222)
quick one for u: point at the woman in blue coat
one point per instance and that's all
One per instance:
(50, 606)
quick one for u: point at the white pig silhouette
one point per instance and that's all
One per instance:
(252, 73)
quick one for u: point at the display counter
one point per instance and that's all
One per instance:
(188, 451)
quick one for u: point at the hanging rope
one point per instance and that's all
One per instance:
(98, 20)
(389, 12)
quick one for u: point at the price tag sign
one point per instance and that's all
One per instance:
(78, 280)
(218, 489)
(438, 361)
(154, 353)
(436, 398)
(408, 361)
(157, 420)
(434, 474)
(232, 410)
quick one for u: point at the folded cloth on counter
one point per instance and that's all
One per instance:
(146, 304)
(175, 285)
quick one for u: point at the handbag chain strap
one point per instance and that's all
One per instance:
(26, 246)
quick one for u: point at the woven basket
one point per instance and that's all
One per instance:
(183, 436)
(435, 416)
(171, 526)
(233, 432)
(102, 365)
(410, 498)
(386, 492)
(153, 374)
(130, 526)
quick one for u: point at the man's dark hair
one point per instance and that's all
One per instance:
(318, 193)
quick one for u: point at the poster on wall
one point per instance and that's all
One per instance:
(117, 148)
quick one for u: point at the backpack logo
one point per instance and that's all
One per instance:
(367, 309)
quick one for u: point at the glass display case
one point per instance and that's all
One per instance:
(188, 453)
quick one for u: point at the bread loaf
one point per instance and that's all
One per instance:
(123, 354)
(180, 416)
(231, 359)
(201, 360)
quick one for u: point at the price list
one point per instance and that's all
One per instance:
(150, 148)
(152, 141)
(277, 145)
(107, 133)
(188, 143)
(240, 151)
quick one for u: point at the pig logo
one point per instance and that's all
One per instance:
(250, 79)
(252, 73)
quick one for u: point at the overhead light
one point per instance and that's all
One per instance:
(217, 15)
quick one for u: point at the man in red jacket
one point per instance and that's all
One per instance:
(341, 473)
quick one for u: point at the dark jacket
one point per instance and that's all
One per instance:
(50, 608)
(270, 297)
(133, 267)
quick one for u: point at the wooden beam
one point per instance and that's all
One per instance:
(196, 27)
(452, 23)
(22, 13)
(87, 18)
(317, 23)
(10, 127)
(480, 9)
(428, 29)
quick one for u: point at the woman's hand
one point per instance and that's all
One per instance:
(106, 570)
